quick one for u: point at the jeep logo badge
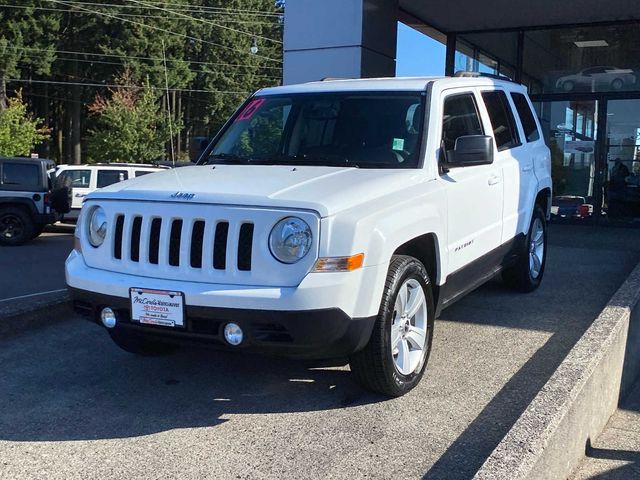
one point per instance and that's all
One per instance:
(183, 196)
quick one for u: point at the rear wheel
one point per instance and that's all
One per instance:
(16, 226)
(526, 274)
(139, 345)
(394, 360)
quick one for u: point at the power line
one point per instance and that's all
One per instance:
(136, 15)
(202, 20)
(108, 85)
(219, 10)
(153, 27)
(133, 57)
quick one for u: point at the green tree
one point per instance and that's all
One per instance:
(27, 41)
(19, 131)
(130, 126)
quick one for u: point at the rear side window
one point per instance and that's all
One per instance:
(526, 117)
(460, 119)
(20, 174)
(140, 173)
(109, 177)
(74, 178)
(502, 121)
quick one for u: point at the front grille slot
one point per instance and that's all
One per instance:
(117, 242)
(154, 240)
(135, 239)
(174, 243)
(197, 237)
(245, 245)
(220, 246)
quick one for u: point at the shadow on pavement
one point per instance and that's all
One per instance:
(83, 387)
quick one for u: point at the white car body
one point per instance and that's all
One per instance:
(465, 215)
(86, 179)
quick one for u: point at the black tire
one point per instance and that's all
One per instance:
(140, 345)
(617, 84)
(16, 226)
(37, 231)
(520, 276)
(374, 367)
(568, 86)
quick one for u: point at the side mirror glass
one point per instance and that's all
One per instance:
(471, 150)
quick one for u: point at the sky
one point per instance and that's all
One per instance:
(418, 54)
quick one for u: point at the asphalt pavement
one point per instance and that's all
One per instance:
(75, 406)
(37, 266)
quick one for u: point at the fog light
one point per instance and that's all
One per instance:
(233, 334)
(108, 317)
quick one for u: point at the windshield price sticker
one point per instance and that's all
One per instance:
(157, 307)
(248, 111)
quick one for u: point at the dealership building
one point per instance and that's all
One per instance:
(579, 59)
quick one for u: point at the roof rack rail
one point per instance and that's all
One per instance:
(470, 74)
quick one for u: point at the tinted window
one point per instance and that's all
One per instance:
(526, 117)
(460, 119)
(140, 173)
(502, 121)
(74, 178)
(109, 177)
(21, 174)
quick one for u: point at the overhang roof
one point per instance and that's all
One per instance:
(470, 15)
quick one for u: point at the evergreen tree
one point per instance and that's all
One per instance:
(27, 41)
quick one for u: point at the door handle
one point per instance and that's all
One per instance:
(80, 195)
(494, 180)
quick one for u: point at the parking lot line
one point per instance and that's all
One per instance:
(33, 295)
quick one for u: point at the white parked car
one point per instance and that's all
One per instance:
(326, 220)
(600, 78)
(84, 179)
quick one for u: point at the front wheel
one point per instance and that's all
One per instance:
(394, 360)
(526, 274)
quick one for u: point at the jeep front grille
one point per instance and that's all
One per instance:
(184, 244)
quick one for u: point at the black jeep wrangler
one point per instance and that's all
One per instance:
(28, 201)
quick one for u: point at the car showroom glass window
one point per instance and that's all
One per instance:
(361, 129)
(502, 121)
(526, 117)
(20, 174)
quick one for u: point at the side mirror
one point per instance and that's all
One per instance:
(471, 150)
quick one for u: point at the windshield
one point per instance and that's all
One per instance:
(367, 130)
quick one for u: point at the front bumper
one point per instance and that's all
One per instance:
(313, 334)
(329, 315)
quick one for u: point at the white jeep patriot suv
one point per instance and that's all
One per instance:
(327, 220)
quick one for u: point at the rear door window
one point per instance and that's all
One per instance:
(526, 117)
(140, 173)
(502, 121)
(109, 177)
(21, 175)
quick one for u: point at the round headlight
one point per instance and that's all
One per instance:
(97, 226)
(290, 240)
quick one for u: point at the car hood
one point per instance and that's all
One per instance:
(326, 190)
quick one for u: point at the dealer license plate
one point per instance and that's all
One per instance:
(157, 307)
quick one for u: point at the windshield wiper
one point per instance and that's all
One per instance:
(229, 158)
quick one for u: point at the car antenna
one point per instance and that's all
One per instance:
(166, 83)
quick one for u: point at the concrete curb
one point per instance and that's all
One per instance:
(25, 314)
(548, 441)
